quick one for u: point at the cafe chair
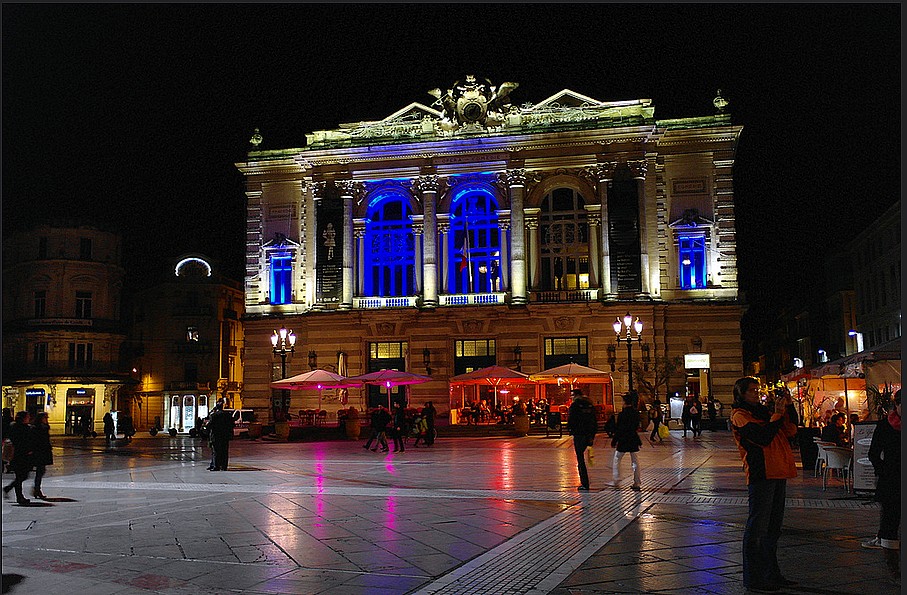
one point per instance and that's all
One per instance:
(838, 459)
(821, 458)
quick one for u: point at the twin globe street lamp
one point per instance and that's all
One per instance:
(629, 338)
(283, 343)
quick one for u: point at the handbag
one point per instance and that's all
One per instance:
(663, 431)
(8, 451)
(590, 456)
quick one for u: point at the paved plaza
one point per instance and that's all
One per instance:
(469, 516)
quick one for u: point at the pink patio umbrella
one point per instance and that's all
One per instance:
(315, 380)
(390, 379)
(496, 376)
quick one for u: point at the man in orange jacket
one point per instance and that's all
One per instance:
(762, 435)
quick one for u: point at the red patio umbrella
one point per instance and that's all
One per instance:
(572, 374)
(493, 375)
(391, 378)
(315, 380)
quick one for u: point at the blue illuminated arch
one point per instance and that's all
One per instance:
(691, 252)
(389, 253)
(281, 266)
(474, 241)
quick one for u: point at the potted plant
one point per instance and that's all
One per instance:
(281, 426)
(352, 424)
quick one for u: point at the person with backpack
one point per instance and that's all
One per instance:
(626, 440)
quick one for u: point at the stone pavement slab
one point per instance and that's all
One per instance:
(471, 515)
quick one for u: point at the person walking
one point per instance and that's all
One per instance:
(399, 428)
(43, 454)
(429, 413)
(21, 435)
(582, 425)
(762, 437)
(109, 428)
(686, 417)
(381, 419)
(885, 456)
(696, 417)
(626, 440)
(420, 427)
(656, 415)
(712, 413)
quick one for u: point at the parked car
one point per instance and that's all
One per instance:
(241, 420)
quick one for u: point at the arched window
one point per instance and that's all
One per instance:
(692, 261)
(389, 248)
(474, 243)
(564, 233)
(281, 277)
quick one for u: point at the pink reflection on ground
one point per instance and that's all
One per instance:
(390, 517)
(503, 480)
(319, 455)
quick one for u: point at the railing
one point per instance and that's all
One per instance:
(384, 302)
(577, 295)
(472, 299)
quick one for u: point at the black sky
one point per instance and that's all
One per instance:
(135, 114)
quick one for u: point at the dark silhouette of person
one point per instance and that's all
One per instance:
(109, 429)
(885, 456)
(43, 454)
(582, 424)
(429, 413)
(221, 427)
(399, 428)
(21, 435)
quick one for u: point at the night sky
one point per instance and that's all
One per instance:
(134, 115)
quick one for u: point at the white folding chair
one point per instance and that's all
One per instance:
(838, 459)
(820, 459)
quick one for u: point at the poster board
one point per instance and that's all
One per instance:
(864, 479)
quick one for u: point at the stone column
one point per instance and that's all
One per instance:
(516, 183)
(359, 234)
(503, 227)
(319, 190)
(594, 219)
(443, 229)
(417, 256)
(534, 247)
(347, 189)
(428, 186)
(604, 173)
(638, 169)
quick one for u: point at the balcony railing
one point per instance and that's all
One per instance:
(573, 295)
(472, 299)
(384, 302)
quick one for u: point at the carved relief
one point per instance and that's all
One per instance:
(385, 328)
(350, 188)
(638, 168)
(427, 183)
(563, 323)
(472, 326)
(512, 177)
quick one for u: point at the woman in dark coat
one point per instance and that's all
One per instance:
(20, 434)
(626, 440)
(885, 456)
(42, 453)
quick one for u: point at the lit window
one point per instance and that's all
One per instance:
(564, 241)
(192, 333)
(475, 264)
(281, 278)
(692, 262)
(389, 248)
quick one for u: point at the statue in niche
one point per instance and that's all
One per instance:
(473, 103)
(330, 239)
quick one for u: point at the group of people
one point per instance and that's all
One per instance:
(582, 423)
(394, 422)
(31, 449)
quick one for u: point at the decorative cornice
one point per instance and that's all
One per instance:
(513, 178)
(638, 168)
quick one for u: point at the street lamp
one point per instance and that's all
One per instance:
(283, 343)
(629, 338)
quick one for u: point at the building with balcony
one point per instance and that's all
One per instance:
(187, 344)
(475, 231)
(62, 329)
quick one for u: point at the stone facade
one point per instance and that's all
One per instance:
(476, 220)
(62, 328)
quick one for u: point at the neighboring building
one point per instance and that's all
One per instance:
(476, 232)
(856, 306)
(62, 330)
(187, 339)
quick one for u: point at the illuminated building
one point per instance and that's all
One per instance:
(62, 332)
(187, 342)
(474, 231)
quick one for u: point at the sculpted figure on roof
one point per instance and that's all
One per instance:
(473, 103)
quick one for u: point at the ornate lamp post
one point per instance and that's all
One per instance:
(283, 343)
(629, 324)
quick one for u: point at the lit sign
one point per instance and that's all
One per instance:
(34, 392)
(696, 361)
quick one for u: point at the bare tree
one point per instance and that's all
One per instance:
(652, 376)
